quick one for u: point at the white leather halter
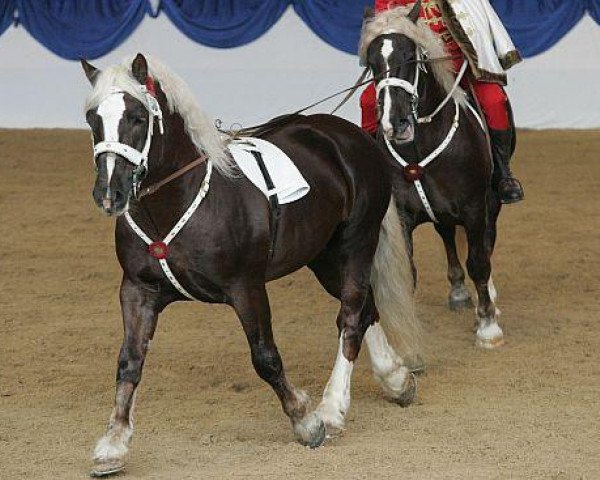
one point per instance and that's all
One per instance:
(411, 88)
(137, 158)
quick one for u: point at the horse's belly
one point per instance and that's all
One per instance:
(305, 227)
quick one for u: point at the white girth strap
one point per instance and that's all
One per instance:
(175, 230)
(423, 163)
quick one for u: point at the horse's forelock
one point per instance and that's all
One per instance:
(115, 76)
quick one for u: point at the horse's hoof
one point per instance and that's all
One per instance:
(460, 304)
(104, 469)
(310, 431)
(489, 336)
(489, 343)
(410, 392)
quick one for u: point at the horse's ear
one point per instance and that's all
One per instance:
(413, 16)
(368, 13)
(90, 71)
(139, 68)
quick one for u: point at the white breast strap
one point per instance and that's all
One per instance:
(175, 230)
(423, 163)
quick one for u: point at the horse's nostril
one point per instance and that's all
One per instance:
(401, 126)
(119, 197)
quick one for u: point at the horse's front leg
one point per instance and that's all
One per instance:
(252, 307)
(459, 296)
(489, 334)
(140, 313)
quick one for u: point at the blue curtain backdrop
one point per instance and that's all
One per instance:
(76, 29)
(7, 9)
(224, 23)
(337, 22)
(92, 28)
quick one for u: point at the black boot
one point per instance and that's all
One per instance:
(508, 187)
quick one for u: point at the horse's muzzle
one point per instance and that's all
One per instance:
(111, 201)
(403, 132)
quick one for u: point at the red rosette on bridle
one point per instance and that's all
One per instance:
(150, 86)
(158, 250)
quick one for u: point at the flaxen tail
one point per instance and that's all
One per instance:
(393, 287)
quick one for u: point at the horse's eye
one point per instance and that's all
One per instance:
(138, 119)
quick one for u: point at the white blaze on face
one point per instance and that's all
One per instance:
(111, 111)
(386, 51)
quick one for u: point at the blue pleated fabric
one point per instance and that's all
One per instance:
(76, 29)
(535, 26)
(337, 22)
(224, 23)
(7, 9)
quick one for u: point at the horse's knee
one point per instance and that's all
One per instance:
(130, 366)
(267, 364)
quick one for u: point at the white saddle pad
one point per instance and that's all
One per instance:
(289, 183)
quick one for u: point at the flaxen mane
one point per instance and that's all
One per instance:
(395, 20)
(199, 127)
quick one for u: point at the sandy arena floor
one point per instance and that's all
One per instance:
(528, 410)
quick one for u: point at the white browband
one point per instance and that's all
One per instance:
(133, 155)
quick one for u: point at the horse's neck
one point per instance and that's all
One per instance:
(169, 154)
(431, 94)
(172, 151)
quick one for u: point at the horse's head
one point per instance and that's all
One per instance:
(392, 59)
(122, 119)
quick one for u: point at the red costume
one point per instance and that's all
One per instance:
(490, 96)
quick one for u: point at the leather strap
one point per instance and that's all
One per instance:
(273, 200)
(156, 186)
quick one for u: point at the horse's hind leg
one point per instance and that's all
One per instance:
(489, 334)
(459, 297)
(252, 307)
(357, 313)
(389, 369)
(140, 313)
(351, 326)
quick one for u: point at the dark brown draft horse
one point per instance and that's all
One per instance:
(438, 143)
(205, 234)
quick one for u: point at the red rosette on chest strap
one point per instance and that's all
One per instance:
(150, 86)
(413, 172)
(158, 250)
